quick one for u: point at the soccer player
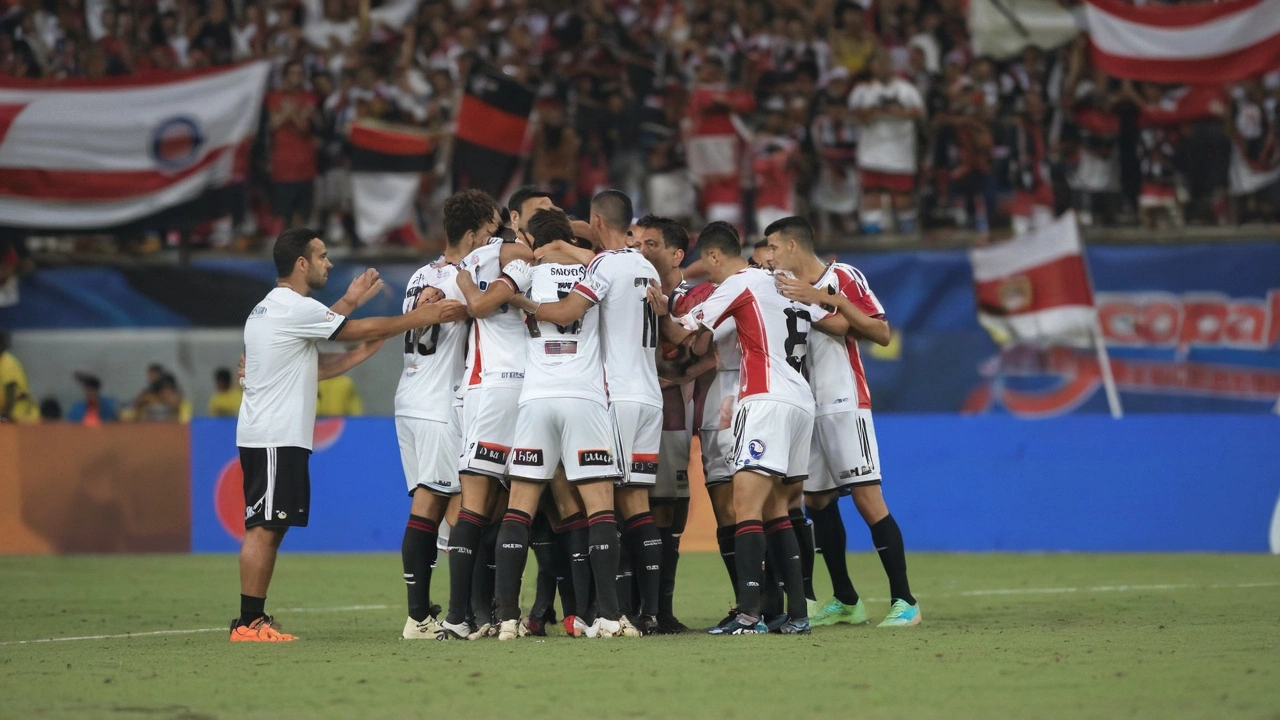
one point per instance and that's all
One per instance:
(772, 427)
(664, 242)
(428, 428)
(522, 204)
(844, 457)
(282, 368)
(563, 418)
(488, 278)
(618, 280)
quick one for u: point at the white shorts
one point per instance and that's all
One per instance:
(488, 425)
(717, 456)
(844, 452)
(573, 431)
(673, 466)
(772, 437)
(639, 437)
(428, 452)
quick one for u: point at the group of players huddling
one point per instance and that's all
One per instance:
(541, 351)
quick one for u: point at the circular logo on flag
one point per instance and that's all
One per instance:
(756, 448)
(1015, 293)
(176, 143)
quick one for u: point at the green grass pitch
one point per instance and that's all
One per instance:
(1035, 636)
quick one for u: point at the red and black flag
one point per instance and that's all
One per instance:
(387, 162)
(492, 121)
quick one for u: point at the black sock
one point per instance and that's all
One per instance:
(463, 542)
(579, 544)
(784, 555)
(602, 536)
(251, 608)
(671, 558)
(804, 536)
(625, 578)
(418, 554)
(646, 553)
(510, 556)
(564, 580)
(749, 557)
(484, 578)
(725, 539)
(829, 534)
(541, 541)
(887, 538)
(772, 600)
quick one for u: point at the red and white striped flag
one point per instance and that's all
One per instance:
(85, 154)
(1195, 43)
(1035, 287)
(387, 162)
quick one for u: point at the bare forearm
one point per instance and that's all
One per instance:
(334, 364)
(862, 324)
(379, 328)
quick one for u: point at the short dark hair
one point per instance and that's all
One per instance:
(548, 225)
(673, 233)
(615, 207)
(761, 243)
(467, 211)
(721, 236)
(291, 245)
(524, 194)
(222, 376)
(793, 228)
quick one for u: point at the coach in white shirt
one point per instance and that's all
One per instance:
(277, 417)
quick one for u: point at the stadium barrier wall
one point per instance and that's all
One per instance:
(117, 488)
(1148, 483)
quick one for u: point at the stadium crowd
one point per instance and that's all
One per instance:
(862, 119)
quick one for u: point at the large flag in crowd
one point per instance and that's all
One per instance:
(1195, 43)
(492, 121)
(83, 154)
(387, 162)
(1035, 287)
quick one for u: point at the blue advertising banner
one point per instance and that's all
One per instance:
(1086, 483)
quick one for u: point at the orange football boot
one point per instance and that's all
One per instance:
(261, 630)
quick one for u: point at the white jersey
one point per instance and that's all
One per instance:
(618, 280)
(716, 396)
(562, 361)
(772, 332)
(835, 365)
(282, 364)
(495, 348)
(887, 144)
(433, 356)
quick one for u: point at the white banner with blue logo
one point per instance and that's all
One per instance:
(93, 154)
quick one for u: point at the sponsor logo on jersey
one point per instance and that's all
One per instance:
(492, 453)
(595, 457)
(560, 347)
(568, 271)
(756, 449)
(526, 456)
(512, 376)
(258, 312)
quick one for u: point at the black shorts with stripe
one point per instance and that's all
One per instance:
(277, 486)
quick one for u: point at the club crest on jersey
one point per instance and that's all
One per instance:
(756, 449)
(526, 456)
(492, 453)
(595, 457)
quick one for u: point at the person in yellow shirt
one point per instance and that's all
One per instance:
(226, 399)
(338, 396)
(16, 404)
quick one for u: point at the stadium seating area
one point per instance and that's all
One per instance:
(619, 86)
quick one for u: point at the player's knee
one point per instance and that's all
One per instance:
(819, 501)
(870, 503)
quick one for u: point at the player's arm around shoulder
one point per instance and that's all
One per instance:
(423, 315)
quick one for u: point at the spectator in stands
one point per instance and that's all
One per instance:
(555, 160)
(94, 409)
(163, 402)
(887, 109)
(16, 403)
(50, 410)
(338, 398)
(225, 401)
(293, 118)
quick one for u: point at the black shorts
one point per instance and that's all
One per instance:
(292, 197)
(277, 486)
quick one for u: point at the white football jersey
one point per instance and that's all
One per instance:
(772, 332)
(562, 361)
(495, 348)
(835, 365)
(618, 280)
(281, 369)
(887, 144)
(433, 356)
(716, 397)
